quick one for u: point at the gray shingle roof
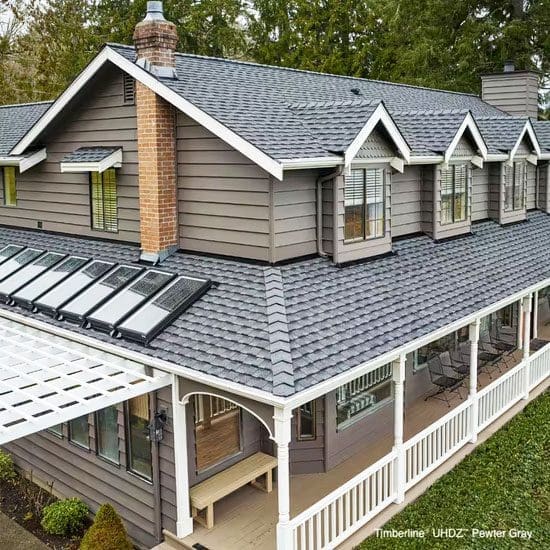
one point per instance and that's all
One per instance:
(16, 121)
(542, 129)
(429, 132)
(89, 154)
(284, 329)
(501, 133)
(265, 104)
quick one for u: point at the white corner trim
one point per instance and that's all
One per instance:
(257, 156)
(477, 161)
(114, 160)
(24, 162)
(380, 114)
(467, 123)
(527, 129)
(398, 164)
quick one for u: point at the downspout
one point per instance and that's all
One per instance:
(319, 183)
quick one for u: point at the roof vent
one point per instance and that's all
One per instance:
(356, 91)
(509, 66)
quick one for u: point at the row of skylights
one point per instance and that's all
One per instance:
(124, 300)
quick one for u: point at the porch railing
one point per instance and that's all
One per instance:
(336, 517)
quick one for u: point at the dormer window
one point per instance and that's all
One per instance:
(364, 204)
(454, 194)
(515, 181)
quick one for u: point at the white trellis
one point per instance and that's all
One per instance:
(46, 380)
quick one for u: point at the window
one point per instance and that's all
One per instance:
(137, 436)
(361, 396)
(8, 185)
(106, 422)
(454, 194)
(103, 195)
(515, 181)
(56, 430)
(305, 422)
(79, 431)
(129, 89)
(217, 430)
(364, 204)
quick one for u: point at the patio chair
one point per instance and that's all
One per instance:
(455, 361)
(445, 378)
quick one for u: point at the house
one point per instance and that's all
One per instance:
(215, 271)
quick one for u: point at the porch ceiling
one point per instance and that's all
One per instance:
(46, 380)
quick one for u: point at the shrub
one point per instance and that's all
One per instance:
(65, 517)
(107, 532)
(7, 469)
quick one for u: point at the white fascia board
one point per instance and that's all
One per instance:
(477, 161)
(532, 159)
(419, 159)
(217, 128)
(544, 156)
(398, 164)
(380, 115)
(467, 123)
(114, 160)
(497, 157)
(319, 162)
(333, 383)
(24, 162)
(527, 129)
(158, 364)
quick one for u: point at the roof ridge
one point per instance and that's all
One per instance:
(353, 78)
(28, 104)
(334, 103)
(432, 112)
(279, 340)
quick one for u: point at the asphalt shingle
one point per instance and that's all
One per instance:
(284, 329)
(89, 154)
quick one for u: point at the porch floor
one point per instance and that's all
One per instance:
(247, 518)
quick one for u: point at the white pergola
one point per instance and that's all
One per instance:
(46, 380)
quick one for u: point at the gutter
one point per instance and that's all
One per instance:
(319, 190)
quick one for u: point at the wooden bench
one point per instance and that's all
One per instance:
(205, 494)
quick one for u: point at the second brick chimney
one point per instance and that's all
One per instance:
(155, 41)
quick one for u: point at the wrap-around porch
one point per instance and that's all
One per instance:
(326, 508)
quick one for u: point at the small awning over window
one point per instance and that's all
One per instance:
(26, 161)
(92, 159)
(46, 380)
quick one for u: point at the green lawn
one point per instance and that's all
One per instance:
(502, 485)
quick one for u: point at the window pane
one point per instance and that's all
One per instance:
(306, 421)
(217, 430)
(375, 202)
(358, 397)
(446, 196)
(460, 189)
(98, 220)
(139, 446)
(508, 188)
(56, 430)
(354, 201)
(107, 433)
(79, 431)
(10, 192)
(110, 200)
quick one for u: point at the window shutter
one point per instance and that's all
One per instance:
(96, 192)
(110, 200)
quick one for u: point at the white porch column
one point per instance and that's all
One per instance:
(399, 407)
(520, 324)
(184, 521)
(526, 308)
(535, 315)
(474, 344)
(282, 438)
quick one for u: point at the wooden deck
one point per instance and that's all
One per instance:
(247, 518)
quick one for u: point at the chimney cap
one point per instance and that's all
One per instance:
(155, 11)
(509, 66)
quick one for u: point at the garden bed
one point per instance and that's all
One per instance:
(23, 501)
(501, 487)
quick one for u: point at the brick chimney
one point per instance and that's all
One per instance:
(512, 91)
(155, 40)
